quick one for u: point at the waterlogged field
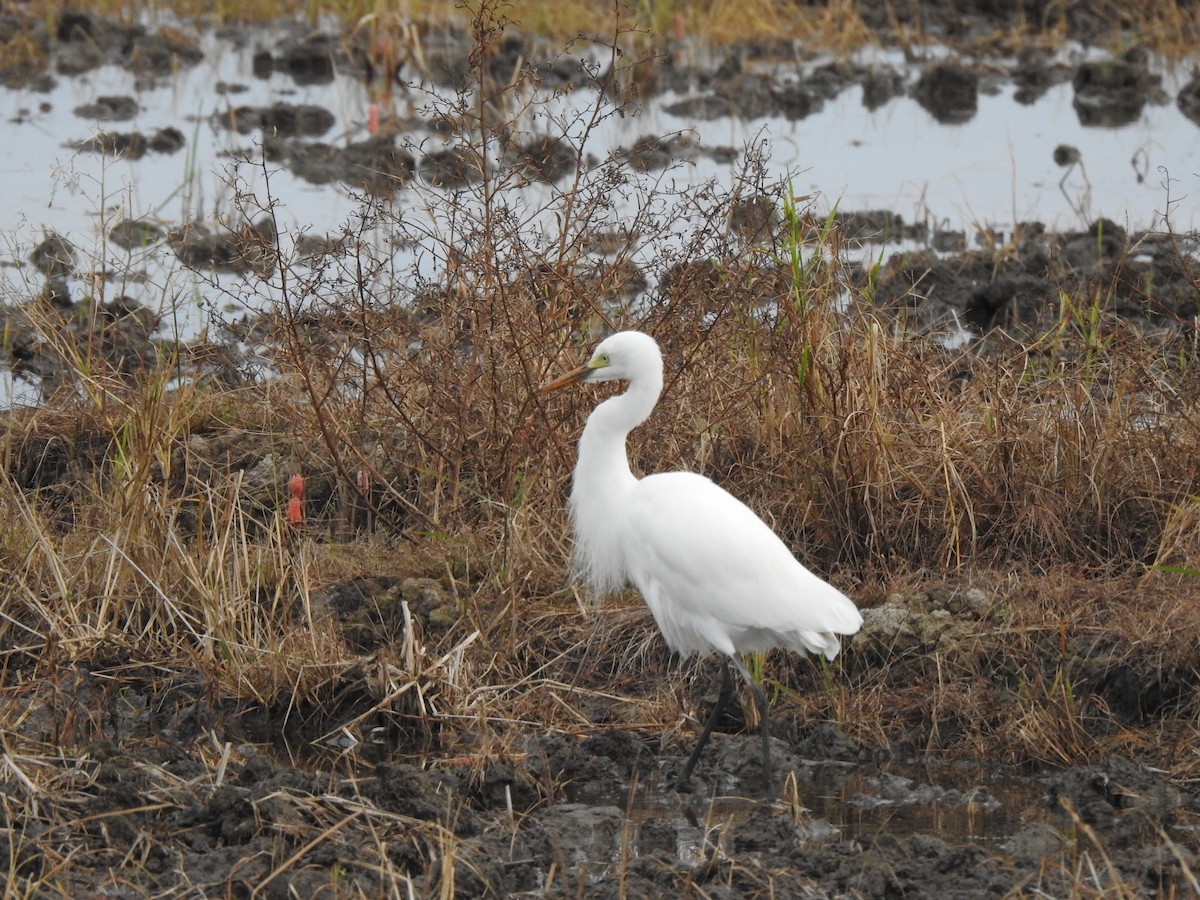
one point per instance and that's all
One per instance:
(284, 549)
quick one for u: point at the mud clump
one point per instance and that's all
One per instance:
(309, 59)
(374, 613)
(119, 331)
(452, 168)
(279, 119)
(749, 97)
(1189, 99)
(134, 145)
(54, 257)
(111, 108)
(249, 248)
(1111, 93)
(996, 287)
(949, 92)
(375, 165)
(650, 152)
(85, 42)
(880, 225)
(130, 234)
(546, 159)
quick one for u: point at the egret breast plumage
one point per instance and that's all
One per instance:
(715, 577)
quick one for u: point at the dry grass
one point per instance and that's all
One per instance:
(1169, 28)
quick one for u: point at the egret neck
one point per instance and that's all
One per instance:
(603, 481)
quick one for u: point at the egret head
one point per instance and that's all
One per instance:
(620, 357)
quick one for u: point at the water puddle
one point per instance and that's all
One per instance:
(952, 182)
(960, 804)
(993, 169)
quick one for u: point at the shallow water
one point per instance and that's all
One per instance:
(998, 168)
(961, 804)
(992, 171)
(79, 192)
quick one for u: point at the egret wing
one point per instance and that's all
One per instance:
(711, 563)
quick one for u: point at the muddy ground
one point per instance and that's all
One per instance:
(161, 792)
(164, 788)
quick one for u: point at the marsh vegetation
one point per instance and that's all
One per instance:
(287, 614)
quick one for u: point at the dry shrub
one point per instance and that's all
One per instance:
(870, 450)
(862, 444)
(875, 452)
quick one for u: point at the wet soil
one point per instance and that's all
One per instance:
(208, 797)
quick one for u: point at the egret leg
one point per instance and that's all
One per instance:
(723, 697)
(763, 712)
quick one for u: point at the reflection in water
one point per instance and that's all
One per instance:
(994, 166)
(1001, 162)
(959, 803)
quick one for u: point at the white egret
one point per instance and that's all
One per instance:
(713, 574)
